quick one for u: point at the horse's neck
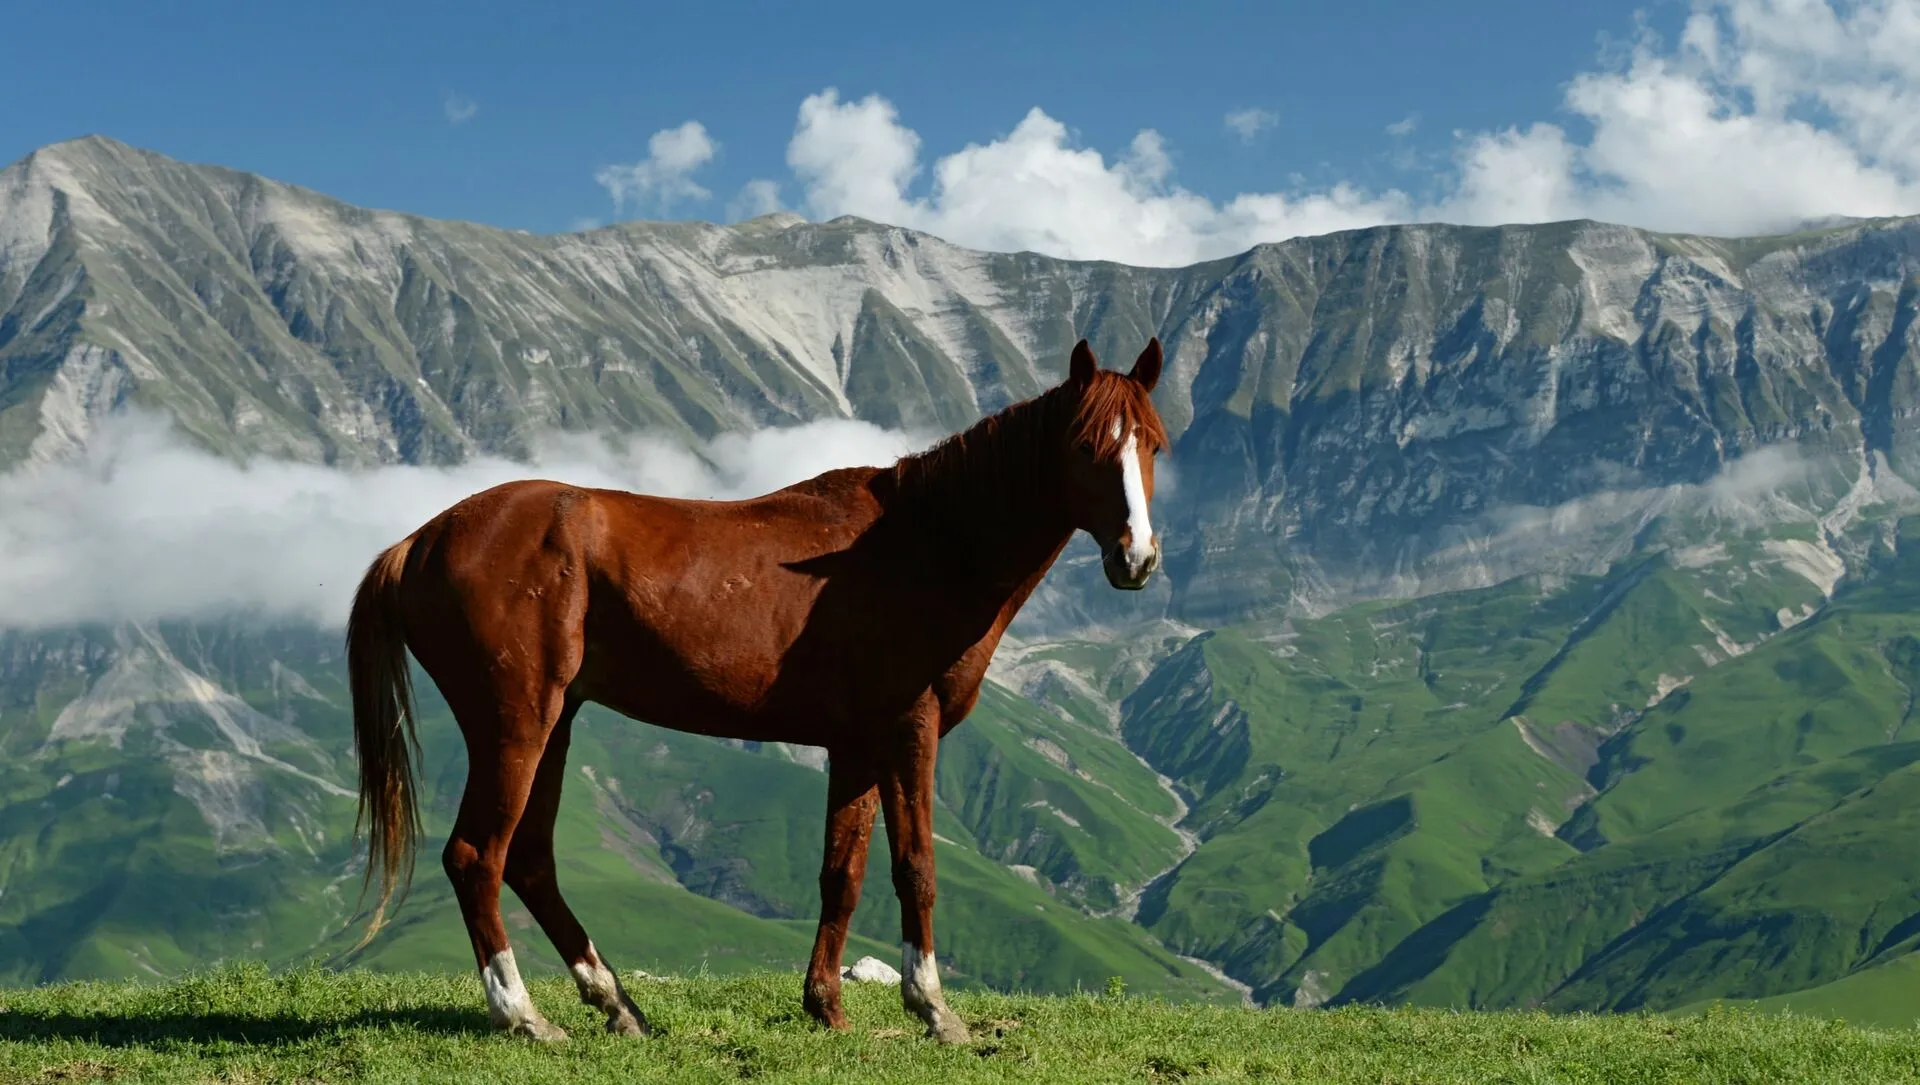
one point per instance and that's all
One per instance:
(990, 574)
(1000, 537)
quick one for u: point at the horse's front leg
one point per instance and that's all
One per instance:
(906, 794)
(851, 800)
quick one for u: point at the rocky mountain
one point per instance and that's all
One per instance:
(1533, 593)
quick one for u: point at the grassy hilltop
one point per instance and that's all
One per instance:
(244, 1024)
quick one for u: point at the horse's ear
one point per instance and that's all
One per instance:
(1146, 368)
(1081, 369)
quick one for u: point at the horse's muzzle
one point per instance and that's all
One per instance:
(1123, 573)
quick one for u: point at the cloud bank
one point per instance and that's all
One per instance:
(1761, 115)
(144, 527)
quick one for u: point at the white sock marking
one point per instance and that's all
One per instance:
(507, 1001)
(1139, 528)
(599, 987)
(920, 977)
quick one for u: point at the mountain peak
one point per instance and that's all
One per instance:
(773, 221)
(89, 151)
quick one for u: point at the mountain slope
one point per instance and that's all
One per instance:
(1382, 412)
(158, 820)
(1535, 628)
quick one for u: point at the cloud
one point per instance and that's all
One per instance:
(460, 110)
(664, 177)
(1033, 190)
(1718, 135)
(1250, 122)
(1760, 116)
(854, 155)
(144, 527)
(1404, 126)
(757, 197)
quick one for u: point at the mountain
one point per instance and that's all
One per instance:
(1536, 627)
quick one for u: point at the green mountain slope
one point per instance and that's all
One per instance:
(674, 849)
(1536, 627)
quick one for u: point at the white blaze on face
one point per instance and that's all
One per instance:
(507, 1001)
(1139, 527)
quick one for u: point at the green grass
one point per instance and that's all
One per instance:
(1886, 996)
(242, 1023)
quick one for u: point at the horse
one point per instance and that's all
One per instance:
(855, 611)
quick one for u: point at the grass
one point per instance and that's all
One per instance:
(242, 1023)
(1886, 995)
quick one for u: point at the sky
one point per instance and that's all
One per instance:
(493, 113)
(1153, 134)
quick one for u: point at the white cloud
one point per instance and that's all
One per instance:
(1404, 126)
(1716, 136)
(757, 197)
(144, 527)
(664, 177)
(1250, 122)
(854, 155)
(460, 110)
(1761, 115)
(1033, 190)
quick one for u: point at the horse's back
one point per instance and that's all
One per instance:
(677, 611)
(493, 537)
(697, 605)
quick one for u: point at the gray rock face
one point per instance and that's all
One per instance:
(1386, 411)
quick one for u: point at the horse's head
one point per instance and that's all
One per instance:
(1109, 461)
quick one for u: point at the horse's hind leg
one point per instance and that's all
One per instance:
(851, 802)
(504, 745)
(530, 873)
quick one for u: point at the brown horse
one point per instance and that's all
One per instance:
(855, 611)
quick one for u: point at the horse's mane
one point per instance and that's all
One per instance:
(1005, 451)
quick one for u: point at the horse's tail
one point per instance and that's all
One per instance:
(384, 739)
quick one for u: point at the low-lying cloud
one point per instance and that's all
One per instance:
(1769, 485)
(145, 527)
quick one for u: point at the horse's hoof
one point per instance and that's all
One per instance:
(538, 1029)
(949, 1029)
(629, 1024)
(832, 1018)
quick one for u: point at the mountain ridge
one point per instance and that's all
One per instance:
(1481, 543)
(1508, 367)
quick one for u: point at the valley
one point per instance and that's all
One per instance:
(1540, 625)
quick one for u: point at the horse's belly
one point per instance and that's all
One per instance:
(727, 687)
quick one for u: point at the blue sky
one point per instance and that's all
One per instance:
(503, 114)
(350, 98)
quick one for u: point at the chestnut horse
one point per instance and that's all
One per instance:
(855, 611)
